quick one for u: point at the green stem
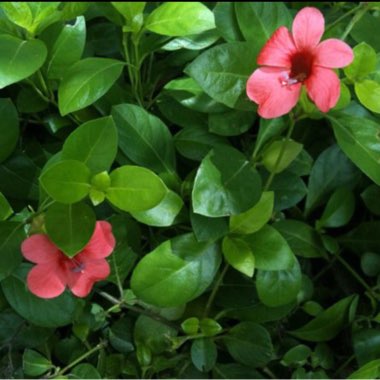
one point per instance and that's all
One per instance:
(358, 15)
(281, 154)
(81, 358)
(343, 17)
(214, 291)
(343, 366)
(357, 277)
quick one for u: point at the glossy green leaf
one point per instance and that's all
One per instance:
(370, 263)
(194, 41)
(67, 49)
(164, 214)
(34, 364)
(176, 272)
(327, 324)
(249, 344)
(144, 138)
(219, 182)
(70, 227)
(281, 287)
(180, 19)
(339, 209)
(239, 255)
(203, 354)
(9, 128)
(280, 154)
(368, 92)
(371, 198)
(73, 9)
(270, 249)
(190, 326)
(255, 218)
(41, 312)
(134, 188)
(223, 70)
(226, 21)
(11, 237)
(231, 123)
(85, 371)
(210, 327)
(302, 238)
(66, 181)
(331, 170)
(356, 137)
(132, 12)
(363, 64)
(297, 355)
(366, 343)
(86, 81)
(94, 143)
(5, 208)
(206, 228)
(19, 13)
(258, 20)
(19, 59)
(370, 370)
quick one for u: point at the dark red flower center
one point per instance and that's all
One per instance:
(302, 63)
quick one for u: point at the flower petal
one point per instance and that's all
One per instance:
(264, 88)
(95, 270)
(39, 249)
(323, 87)
(308, 27)
(278, 50)
(44, 281)
(333, 53)
(102, 242)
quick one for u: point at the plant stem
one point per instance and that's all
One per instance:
(344, 16)
(343, 366)
(215, 290)
(358, 15)
(281, 154)
(78, 360)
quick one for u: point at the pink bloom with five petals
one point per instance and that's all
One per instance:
(291, 60)
(54, 270)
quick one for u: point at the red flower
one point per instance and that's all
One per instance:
(54, 270)
(291, 60)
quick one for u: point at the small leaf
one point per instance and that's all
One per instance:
(190, 326)
(368, 92)
(204, 354)
(34, 364)
(363, 64)
(5, 208)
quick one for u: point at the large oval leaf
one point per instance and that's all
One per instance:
(86, 81)
(19, 59)
(176, 272)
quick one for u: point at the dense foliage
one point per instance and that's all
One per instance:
(246, 247)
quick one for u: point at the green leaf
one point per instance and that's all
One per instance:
(277, 288)
(73, 9)
(364, 238)
(239, 255)
(210, 327)
(302, 239)
(70, 227)
(255, 218)
(162, 215)
(180, 19)
(327, 324)
(133, 14)
(368, 92)
(144, 138)
(258, 20)
(297, 356)
(356, 136)
(41, 312)
(196, 142)
(134, 188)
(223, 70)
(231, 123)
(363, 64)
(366, 344)
(190, 326)
(94, 143)
(363, 30)
(331, 170)
(19, 59)
(34, 364)
(370, 263)
(203, 354)
(371, 198)
(370, 370)
(208, 228)
(226, 21)
(11, 237)
(339, 209)
(66, 181)
(67, 49)
(19, 13)
(249, 344)
(5, 208)
(176, 272)
(193, 42)
(86, 81)
(288, 149)
(9, 128)
(219, 182)
(85, 371)
(270, 249)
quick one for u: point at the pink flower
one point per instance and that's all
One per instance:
(54, 270)
(291, 60)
